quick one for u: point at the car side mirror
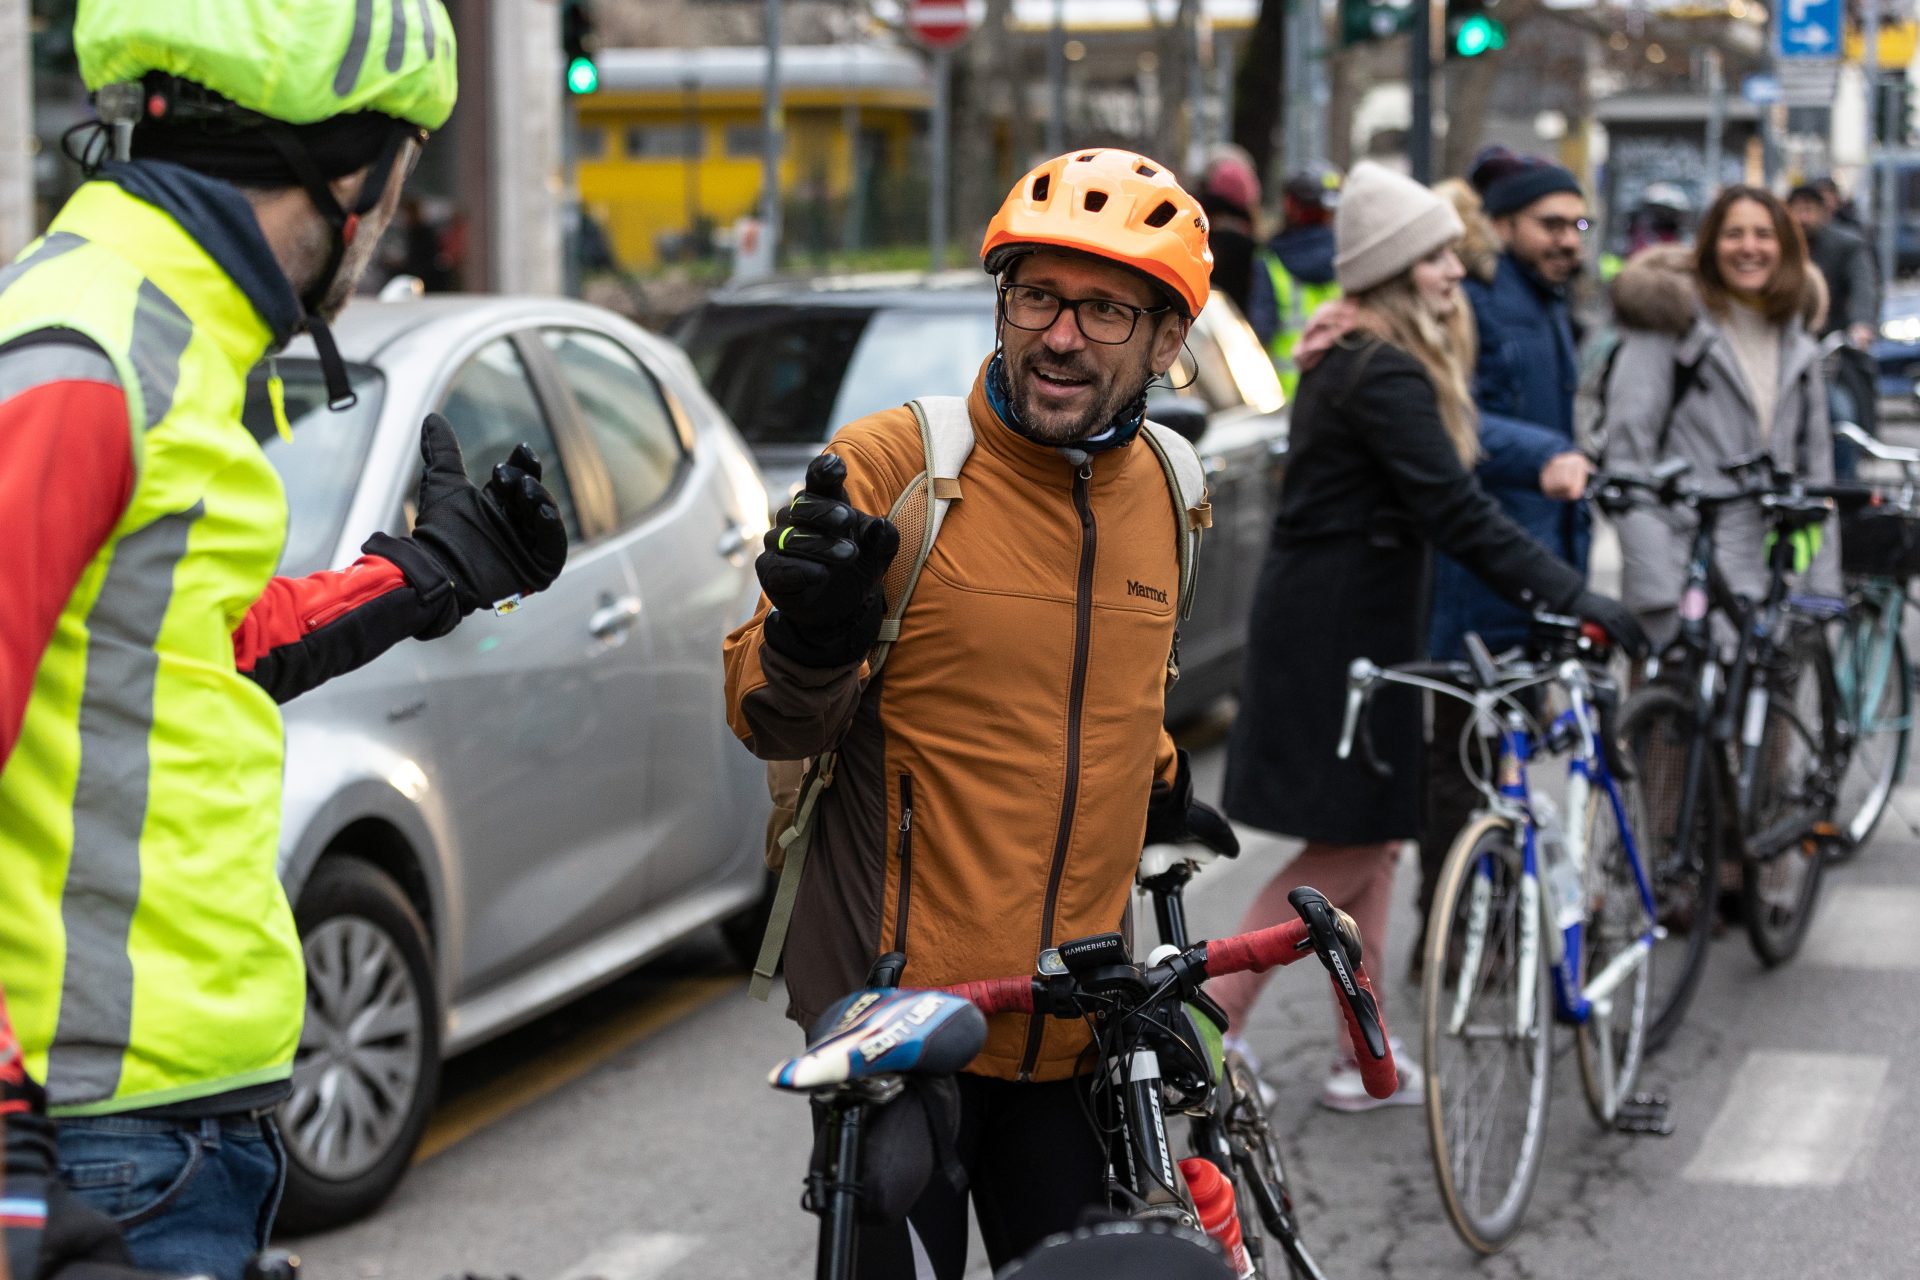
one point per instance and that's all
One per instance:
(1183, 414)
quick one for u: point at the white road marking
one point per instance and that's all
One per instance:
(1792, 1120)
(633, 1256)
(1865, 927)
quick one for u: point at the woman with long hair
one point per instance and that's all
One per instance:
(1716, 362)
(1380, 475)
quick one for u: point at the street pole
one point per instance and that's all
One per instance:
(1881, 204)
(772, 143)
(528, 127)
(16, 128)
(1293, 78)
(1716, 118)
(1057, 81)
(1319, 93)
(942, 161)
(1196, 92)
(1420, 81)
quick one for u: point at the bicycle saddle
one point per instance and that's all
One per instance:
(1158, 859)
(886, 1031)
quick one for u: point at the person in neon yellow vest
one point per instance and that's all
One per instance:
(1295, 275)
(250, 155)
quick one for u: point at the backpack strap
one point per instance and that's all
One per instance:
(946, 438)
(1187, 486)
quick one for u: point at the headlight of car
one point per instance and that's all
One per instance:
(1902, 329)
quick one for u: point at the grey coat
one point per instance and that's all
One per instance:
(1664, 326)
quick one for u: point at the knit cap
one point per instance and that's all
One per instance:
(1508, 183)
(1386, 223)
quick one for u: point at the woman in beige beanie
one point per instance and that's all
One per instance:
(1380, 474)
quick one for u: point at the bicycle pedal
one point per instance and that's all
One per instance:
(1644, 1114)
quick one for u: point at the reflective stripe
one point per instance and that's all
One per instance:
(52, 247)
(161, 332)
(427, 34)
(24, 368)
(397, 37)
(349, 73)
(110, 811)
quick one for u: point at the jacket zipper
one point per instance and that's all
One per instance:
(906, 862)
(1082, 641)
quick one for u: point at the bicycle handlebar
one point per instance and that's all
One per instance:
(1321, 931)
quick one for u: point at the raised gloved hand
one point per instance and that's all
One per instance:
(821, 570)
(486, 547)
(1174, 816)
(1616, 618)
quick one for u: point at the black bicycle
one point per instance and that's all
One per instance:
(1741, 752)
(1155, 1049)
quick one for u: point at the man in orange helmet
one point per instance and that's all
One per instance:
(996, 780)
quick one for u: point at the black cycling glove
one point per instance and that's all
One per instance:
(476, 547)
(1616, 618)
(821, 570)
(1175, 817)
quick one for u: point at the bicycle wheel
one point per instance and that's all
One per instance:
(1875, 687)
(1789, 782)
(1617, 923)
(1487, 1044)
(1267, 1224)
(1656, 726)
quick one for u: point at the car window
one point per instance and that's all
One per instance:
(320, 466)
(492, 407)
(1246, 361)
(905, 354)
(627, 414)
(776, 370)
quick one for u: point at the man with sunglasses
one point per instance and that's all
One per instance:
(996, 780)
(1524, 382)
(250, 154)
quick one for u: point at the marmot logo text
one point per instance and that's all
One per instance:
(1146, 592)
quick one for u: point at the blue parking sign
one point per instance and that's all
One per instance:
(1809, 29)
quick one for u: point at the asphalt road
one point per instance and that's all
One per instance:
(632, 1136)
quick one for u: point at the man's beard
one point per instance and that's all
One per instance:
(1060, 427)
(1557, 266)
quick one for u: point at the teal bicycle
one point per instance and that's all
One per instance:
(1880, 553)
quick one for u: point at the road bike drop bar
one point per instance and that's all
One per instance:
(1321, 931)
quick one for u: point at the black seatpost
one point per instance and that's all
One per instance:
(1169, 906)
(837, 1194)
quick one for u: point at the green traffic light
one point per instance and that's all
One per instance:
(582, 76)
(1477, 35)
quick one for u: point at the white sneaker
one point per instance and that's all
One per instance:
(1345, 1090)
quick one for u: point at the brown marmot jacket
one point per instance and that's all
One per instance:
(991, 793)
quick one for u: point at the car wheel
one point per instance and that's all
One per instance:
(368, 1065)
(745, 929)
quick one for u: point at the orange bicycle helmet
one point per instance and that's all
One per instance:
(1110, 204)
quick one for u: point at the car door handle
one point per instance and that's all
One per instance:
(614, 617)
(733, 541)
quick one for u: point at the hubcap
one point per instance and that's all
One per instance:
(357, 1070)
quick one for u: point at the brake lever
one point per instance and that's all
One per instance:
(1336, 940)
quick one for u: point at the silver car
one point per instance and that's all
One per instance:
(480, 827)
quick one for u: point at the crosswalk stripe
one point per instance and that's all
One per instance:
(1865, 927)
(1792, 1120)
(633, 1256)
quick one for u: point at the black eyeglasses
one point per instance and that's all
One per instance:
(1557, 226)
(1101, 320)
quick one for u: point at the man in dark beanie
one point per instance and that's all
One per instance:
(1523, 383)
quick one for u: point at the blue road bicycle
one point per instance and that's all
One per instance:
(1535, 918)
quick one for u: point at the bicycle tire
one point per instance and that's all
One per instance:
(1875, 685)
(1657, 728)
(1617, 919)
(1461, 1104)
(1259, 1174)
(1794, 776)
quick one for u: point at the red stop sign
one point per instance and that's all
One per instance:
(939, 24)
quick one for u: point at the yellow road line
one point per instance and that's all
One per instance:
(461, 1119)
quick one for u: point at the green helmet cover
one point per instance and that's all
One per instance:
(300, 61)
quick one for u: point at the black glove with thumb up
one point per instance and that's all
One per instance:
(822, 570)
(485, 546)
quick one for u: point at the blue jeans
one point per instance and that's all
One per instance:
(192, 1196)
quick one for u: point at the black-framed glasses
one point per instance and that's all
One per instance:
(1557, 226)
(1102, 320)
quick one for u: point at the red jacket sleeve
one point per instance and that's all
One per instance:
(302, 632)
(66, 475)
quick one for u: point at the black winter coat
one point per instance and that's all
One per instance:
(1372, 486)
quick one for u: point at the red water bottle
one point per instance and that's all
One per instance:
(1213, 1200)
